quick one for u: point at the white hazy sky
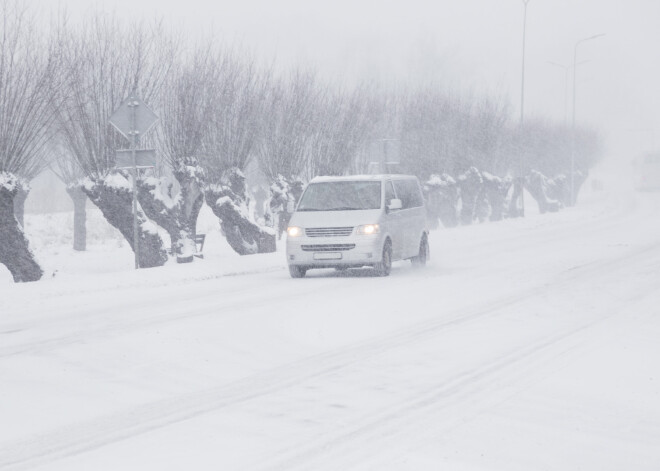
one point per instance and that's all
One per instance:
(473, 44)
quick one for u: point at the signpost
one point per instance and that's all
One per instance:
(132, 119)
(144, 158)
(384, 156)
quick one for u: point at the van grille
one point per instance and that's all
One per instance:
(328, 231)
(327, 247)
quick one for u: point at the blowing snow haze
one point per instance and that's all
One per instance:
(469, 44)
(338, 246)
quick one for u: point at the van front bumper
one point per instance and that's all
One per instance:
(328, 252)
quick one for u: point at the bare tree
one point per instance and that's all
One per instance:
(187, 108)
(105, 62)
(290, 121)
(228, 147)
(29, 84)
(345, 126)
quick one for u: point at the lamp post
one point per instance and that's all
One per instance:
(522, 108)
(522, 81)
(567, 69)
(575, 50)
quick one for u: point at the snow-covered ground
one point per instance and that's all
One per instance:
(528, 344)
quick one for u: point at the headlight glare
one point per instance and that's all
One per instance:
(294, 231)
(368, 229)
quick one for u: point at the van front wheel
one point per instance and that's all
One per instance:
(297, 271)
(385, 265)
(424, 253)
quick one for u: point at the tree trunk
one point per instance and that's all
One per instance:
(190, 177)
(230, 203)
(514, 206)
(561, 187)
(79, 199)
(177, 215)
(113, 196)
(442, 200)
(470, 184)
(22, 191)
(15, 252)
(537, 185)
(496, 189)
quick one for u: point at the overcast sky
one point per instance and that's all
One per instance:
(472, 44)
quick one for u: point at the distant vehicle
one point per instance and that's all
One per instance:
(358, 221)
(647, 172)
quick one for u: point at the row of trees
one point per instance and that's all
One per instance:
(480, 196)
(220, 112)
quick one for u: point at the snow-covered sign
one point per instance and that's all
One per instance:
(133, 117)
(144, 158)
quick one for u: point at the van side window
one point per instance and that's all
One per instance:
(409, 193)
(389, 193)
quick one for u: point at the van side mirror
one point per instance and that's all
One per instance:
(394, 205)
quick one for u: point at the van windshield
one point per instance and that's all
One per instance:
(341, 196)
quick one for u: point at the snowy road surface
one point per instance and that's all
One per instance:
(529, 344)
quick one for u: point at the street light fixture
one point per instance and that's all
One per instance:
(575, 50)
(567, 69)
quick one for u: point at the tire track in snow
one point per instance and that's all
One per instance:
(85, 436)
(469, 392)
(213, 300)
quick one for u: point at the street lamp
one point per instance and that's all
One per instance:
(522, 81)
(567, 69)
(575, 50)
(522, 109)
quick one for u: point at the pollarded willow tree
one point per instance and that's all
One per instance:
(238, 114)
(445, 131)
(30, 77)
(105, 61)
(291, 121)
(291, 109)
(187, 108)
(345, 126)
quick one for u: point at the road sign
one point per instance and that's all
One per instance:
(133, 117)
(144, 158)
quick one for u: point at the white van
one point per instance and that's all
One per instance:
(357, 221)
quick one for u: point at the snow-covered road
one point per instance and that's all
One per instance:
(528, 344)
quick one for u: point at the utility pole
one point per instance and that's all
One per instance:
(133, 103)
(522, 111)
(573, 132)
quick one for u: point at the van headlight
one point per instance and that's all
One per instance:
(294, 231)
(368, 229)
